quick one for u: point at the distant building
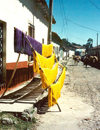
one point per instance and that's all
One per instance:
(79, 50)
(56, 41)
(60, 50)
(95, 51)
(71, 53)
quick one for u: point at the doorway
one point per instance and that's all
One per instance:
(2, 52)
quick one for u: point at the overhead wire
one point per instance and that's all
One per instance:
(63, 17)
(82, 26)
(66, 20)
(94, 4)
(57, 17)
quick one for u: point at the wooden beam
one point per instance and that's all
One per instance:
(50, 22)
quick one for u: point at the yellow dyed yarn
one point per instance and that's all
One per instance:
(48, 76)
(42, 62)
(62, 78)
(55, 90)
(47, 50)
(53, 94)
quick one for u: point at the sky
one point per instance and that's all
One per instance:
(77, 20)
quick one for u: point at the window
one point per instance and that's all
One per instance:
(31, 30)
(42, 40)
(31, 33)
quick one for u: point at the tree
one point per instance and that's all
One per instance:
(90, 40)
(65, 42)
(89, 44)
(75, 44)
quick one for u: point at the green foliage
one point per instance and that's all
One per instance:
(67, 44)
(19, 125)
(90, 41)
(89, 44)
(75, 44)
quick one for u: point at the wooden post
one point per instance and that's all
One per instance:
(50, 21)
(59, 107)
(97, 46)
(97, 39)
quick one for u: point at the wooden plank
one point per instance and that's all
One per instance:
(9, 101)
(33, 98)
(23, 94)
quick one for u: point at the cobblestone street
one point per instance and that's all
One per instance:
(79, 102)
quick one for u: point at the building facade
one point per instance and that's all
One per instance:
(31, 17)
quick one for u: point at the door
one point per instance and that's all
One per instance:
(1, 53)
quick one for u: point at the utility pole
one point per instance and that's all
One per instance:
(97, 39)
(97, 45)
(50, 21)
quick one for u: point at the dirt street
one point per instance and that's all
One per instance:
(79, 102)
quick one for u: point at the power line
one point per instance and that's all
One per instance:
(63, 16)
(94, 4)
(69, 20)
(65, 19)
(82, 26)
(64, 13)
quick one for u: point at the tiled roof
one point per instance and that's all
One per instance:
(96, 47)
(44, 7)
(78, 47)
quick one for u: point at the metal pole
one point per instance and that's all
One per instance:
(50, 21)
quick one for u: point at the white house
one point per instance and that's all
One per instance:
(29, 16)
(71, 53)
(56, 49)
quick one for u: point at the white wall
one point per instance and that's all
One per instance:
(56, 49)
(71, 53)
(61, 54)
(64, 54)
(41, 31)
(18, 13)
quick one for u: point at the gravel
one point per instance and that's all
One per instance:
(85, 82)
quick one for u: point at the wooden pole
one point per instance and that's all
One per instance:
(97, 44)
(50, 21)
(97, 39)
(12, 76)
